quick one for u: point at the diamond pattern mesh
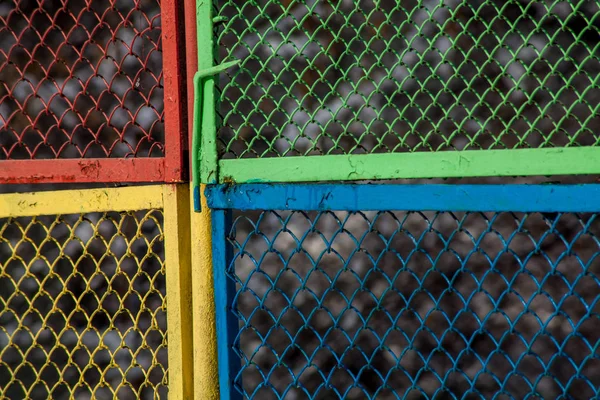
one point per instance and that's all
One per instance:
(416, 305)
(82, 306)
(369, 76)
(80, 79)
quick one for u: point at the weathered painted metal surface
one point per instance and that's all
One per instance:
(204, 148)
(81, 201)
(179, 290)
(226, 323)
(445, 164)
(82, 171)
(375, 197)
(206, 375)
(174, 73)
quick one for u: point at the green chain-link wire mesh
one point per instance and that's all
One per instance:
(379, 76)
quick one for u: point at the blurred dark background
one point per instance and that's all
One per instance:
(425, 301)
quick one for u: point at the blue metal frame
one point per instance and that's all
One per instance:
(377, 197)
(227, 324)
(371, 197)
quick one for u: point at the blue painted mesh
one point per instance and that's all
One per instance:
(416, 305)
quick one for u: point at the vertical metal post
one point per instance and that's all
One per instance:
(174, 72)
(227, 323)
(176, 201)
(204, 157)
(206, 374)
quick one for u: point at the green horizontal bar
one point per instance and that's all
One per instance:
(444, 164)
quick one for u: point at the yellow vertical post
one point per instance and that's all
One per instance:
(178, 261)
(206, 375)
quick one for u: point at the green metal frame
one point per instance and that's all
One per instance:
(204, 147)
(209, 169)
(447, 164)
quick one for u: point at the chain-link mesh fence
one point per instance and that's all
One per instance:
(82, 306)
(369, 76)
(81, 79)
(415, 305)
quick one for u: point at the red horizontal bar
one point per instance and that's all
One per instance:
(82, 170)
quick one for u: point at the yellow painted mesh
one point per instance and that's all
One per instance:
(82, 306)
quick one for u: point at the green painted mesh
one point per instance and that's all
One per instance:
(379, 76)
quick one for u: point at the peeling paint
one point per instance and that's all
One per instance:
(82, 171)
(425, 197)
(443, 164)
(129, 198)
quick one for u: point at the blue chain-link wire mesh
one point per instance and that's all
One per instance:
(416, 305)
(373, 76)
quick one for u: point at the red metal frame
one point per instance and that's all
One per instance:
(171, 168)
(191, 60)
(174, 72)
(83, 170)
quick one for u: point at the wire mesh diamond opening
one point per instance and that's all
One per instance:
(82, 306)
(356, 77)
(81, 80)
(415, 305)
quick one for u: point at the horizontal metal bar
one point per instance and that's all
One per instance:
(525, 198)
(443, 164)
(83, 170)
(55, 202)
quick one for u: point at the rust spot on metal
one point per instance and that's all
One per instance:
(228, 180)
(89, 168)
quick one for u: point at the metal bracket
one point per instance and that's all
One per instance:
(217, 69)
(199, 151)
(219, 19)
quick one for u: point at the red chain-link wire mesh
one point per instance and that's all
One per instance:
(80, 79)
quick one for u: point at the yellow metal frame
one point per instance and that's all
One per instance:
(176, 206)
(191, 342)
(206, 374)
(81, 201)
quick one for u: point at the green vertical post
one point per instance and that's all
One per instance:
(204, 159)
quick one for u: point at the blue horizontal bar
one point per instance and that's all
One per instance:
(376, 197)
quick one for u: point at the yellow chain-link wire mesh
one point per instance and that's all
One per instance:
(82, 306)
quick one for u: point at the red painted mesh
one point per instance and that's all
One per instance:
(80, 79)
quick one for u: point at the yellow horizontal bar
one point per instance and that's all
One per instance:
(81, 201)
